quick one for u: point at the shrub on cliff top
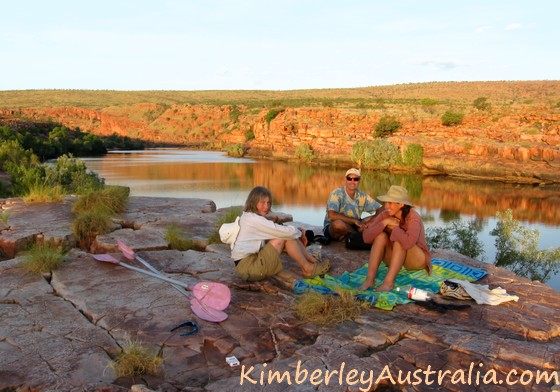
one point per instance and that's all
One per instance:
(481, 103)
(450, 118)
(386, 126)
(272, 113)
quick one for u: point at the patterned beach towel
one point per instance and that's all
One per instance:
(348, 281)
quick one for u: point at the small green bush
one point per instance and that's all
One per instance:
(481, 103)
(377, 155)
(428, 102)
(272, 113)
(234, 114)
(304, 152)
(413, 155)
(249, 135)
(450, 118)
(386, 126)
(235, 150)
(43, 258)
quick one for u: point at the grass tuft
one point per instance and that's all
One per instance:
(43, 258)
(112, 199)
(88, 224)
(174, 237)
(328, 309)
(40, 193)
(136, 360)
(228, 217)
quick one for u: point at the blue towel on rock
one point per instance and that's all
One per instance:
(349, 281)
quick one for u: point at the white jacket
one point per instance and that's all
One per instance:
(254, 230)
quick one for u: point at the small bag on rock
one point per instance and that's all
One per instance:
(355, 241)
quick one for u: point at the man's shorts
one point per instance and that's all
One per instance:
(261, 265)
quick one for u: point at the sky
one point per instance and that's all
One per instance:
(273, 45)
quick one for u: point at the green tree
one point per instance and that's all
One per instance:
(517, 249)
(460, 236)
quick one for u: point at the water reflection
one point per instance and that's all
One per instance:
(302, 190)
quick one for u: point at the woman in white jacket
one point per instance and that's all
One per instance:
(260, 242)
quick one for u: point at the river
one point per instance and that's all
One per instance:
(301, 190)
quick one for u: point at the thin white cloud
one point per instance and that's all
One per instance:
(482, 29)
(437, 64)
(513, 26)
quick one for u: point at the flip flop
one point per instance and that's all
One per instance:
(320, 269)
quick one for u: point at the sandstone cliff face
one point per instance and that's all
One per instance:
(519, 144)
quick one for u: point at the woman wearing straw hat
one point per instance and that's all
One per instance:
(398, 238)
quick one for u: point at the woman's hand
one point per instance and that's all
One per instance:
(303, 237)
(390, 223)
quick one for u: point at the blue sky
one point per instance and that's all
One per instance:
(273, 45)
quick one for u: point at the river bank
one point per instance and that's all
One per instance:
(514, 138)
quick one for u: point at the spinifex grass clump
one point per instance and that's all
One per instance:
(43, 258)
(328, 309)
(89, 224)
(176, 239)
(136, 360)
(111, 199)
(43, 193)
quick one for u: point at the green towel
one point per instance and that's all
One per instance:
(349, 281)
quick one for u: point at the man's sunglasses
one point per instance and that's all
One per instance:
(353, 179)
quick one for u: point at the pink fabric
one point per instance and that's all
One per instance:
(412, 233)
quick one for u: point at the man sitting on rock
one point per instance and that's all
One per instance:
(345, 207)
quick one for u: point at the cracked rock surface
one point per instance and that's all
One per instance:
(60, 332)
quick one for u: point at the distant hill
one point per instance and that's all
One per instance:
(502, 92)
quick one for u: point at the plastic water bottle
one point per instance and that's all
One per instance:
(315, 250)
(415, 293)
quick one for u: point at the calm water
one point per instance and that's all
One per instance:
(302, 191)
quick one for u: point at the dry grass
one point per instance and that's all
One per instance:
(136, 360)
(328, 309)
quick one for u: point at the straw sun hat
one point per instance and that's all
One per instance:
(396, 194)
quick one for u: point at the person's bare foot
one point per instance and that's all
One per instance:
(385, 287)
(364, 286)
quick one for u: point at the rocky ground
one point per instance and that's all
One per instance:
(60, 332)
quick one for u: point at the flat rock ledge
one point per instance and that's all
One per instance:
(60, 332)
